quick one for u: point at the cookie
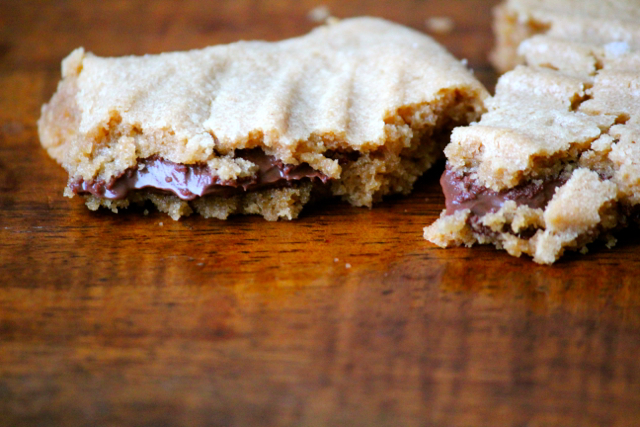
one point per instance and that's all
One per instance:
(587, 22)
(357, 109)
(553, 165)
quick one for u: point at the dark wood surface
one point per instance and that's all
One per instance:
(345, 317)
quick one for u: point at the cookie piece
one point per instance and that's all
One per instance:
(554, 164)
(591, 22)
(357, 109)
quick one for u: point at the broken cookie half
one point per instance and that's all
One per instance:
(555, 162)
(357, 109)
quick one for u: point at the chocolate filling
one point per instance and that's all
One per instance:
(191, 181)
(463, 192)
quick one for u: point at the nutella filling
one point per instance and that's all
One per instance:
(462, 192)
(189, 182)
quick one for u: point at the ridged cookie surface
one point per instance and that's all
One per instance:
(554, 163)
(366, 86)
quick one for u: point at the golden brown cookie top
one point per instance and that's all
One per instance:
(342, 82)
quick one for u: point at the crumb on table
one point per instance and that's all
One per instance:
(319, 14)
(439, 24)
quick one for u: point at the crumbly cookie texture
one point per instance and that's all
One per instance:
(591, 23)
(364, 102)
(555, 162)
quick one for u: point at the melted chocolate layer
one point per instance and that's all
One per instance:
(191, 181)
(462, 192)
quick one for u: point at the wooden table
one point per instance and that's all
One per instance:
(345, 317)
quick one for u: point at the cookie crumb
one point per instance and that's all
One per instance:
(439, 24)
(319, 14)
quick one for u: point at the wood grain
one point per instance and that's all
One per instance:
(343, 317)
